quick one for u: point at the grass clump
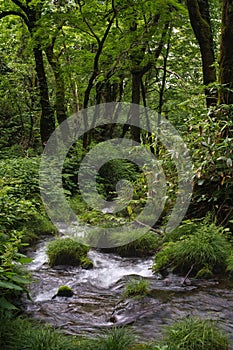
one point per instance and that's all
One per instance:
(24, 334)
(115, 339)
(136, 288)
(202, 252)
(66, 251)
(194, 334)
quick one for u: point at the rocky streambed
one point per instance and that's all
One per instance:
(97, 301)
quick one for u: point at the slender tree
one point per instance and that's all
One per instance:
(226, 53)
(199, 15)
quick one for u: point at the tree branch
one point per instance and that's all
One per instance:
(15, 13)
(20, 5)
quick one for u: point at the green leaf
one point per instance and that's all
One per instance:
(9, 285)
(4, 304)
(19, 279)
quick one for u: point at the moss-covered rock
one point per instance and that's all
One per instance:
(86, 263)
(140, 244)
(66, 251)
(205, 272)
(65, 291)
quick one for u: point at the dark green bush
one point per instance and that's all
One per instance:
(66, 251)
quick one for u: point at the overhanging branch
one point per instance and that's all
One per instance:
(15, 13)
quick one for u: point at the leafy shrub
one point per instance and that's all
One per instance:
(66, 251)
(194, 333)
(113, 171)
(204, 248)
(21, 174)
(136, 288)
(13, 278)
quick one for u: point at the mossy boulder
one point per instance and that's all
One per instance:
(145, 245)
(65, 291)
(140, 244)
(86, 263)
(66, 251)
(205, 273)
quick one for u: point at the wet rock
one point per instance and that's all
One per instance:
(64, 291)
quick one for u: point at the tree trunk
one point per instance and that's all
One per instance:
(226, 53)
(136, 86)
(200, 20)
(60, 104)
(47, 122)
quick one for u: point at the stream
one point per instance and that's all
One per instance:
(97, 301)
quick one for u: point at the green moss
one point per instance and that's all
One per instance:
(140, 244)
(66, 251)
(65, 291)
(39, 224)
(86, 263)
(205, 272)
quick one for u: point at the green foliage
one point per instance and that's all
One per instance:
(66, 251)
(13, 278)
(203, 248)
(112, 172)
(192, 334)
(212, 154)
(136, 288)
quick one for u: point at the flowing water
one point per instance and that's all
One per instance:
(97, 301)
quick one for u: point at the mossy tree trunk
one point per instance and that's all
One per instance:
(60, 104)
(200, 21)
(226, 53)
